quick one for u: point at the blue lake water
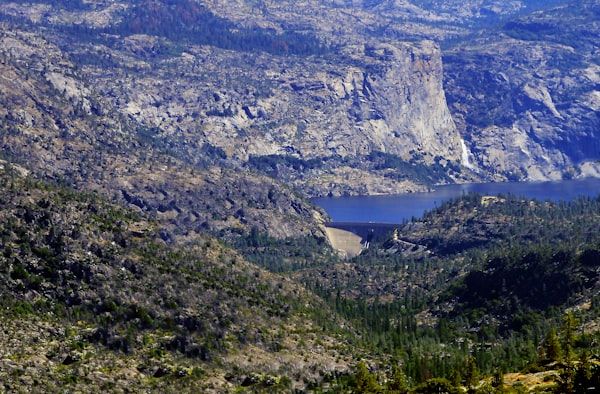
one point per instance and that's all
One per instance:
(403, 207)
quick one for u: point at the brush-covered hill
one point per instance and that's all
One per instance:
(478, 276)
(94, 300)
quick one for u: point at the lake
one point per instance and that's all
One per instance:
(403, 207)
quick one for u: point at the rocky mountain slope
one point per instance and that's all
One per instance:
(94, 299)
(522, 85)
(258, 91)
(57, 124)
(322, 87)
(526, 97)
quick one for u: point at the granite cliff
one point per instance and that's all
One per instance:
(382, 97)
(526, 97)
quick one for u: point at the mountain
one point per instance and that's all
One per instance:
(157, 157)
(94, 299)
(58, 124)
(309, 94)
(286, 92)
(525, 95)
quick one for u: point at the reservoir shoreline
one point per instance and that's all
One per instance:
(402, 208)
(356, 221)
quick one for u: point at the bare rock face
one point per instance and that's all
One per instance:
(394, 101)
(365, 98)
(398, 100)
(527, 99)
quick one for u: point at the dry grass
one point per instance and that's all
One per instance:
(532, 381)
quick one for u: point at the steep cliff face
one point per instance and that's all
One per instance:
(527, 98)
(399, 102)
(349, 102)
(382, 97)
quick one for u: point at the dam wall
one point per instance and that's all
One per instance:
(350, 238)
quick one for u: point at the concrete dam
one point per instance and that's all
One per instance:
(350, 238)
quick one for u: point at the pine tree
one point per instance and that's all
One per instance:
(583, 374)
(566, 377)
(565, 380)
(551, 346)
(397, 383)
(498, 381)
(470, 373)
(568, 336)
(365, 380)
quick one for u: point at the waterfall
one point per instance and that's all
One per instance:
(465, 156)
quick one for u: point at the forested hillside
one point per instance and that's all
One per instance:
(480, 280)
(480, 285)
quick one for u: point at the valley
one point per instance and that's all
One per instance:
(157, 163)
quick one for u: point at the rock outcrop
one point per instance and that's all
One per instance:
(527, 98)
(380, 97)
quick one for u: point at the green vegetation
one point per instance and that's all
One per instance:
(391, 166)
(491, 289)
(270, 164)
(287, 255)
(488, 295)
(547, 26)
(189, 21)
(106, 286)
(414, 170)
(479, 286)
